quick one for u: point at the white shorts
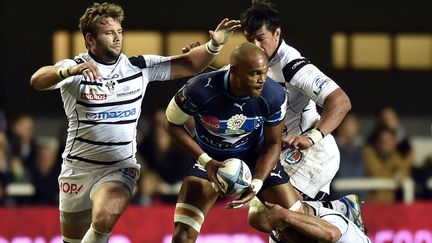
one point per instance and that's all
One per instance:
(78, 181)
(311, 170)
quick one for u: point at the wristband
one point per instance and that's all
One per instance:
(257, 184)
(212, 48)
(315, 135)
(63, 73)
(203, 159)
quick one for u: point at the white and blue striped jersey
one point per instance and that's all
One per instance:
(304, 84)
(228, 126)
(103, 114)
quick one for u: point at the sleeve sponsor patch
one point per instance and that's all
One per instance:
(319, 83)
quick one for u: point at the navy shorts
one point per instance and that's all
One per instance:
(277, 176)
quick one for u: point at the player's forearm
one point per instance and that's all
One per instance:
(45, 77)
(336, 106)
(191, 63)
(183, 139)
(266, 162)
(312, 227)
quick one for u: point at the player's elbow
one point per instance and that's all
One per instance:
(332, 235)
(36, 81)
(345, 101)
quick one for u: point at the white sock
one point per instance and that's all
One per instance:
(335, 205)
(93, 236)
(68, 240)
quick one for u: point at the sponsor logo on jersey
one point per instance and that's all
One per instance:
(126, 93)
(93, 96)
(70, 187)
(129, 172)
(297, 63)
(224, 144)
(319, 83)
(293, 156)
(111, 114)
(212, 123)
(236, 121)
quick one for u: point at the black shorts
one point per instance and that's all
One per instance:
(277, 176)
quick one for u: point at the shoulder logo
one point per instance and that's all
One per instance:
(239, 106)
(208, 83)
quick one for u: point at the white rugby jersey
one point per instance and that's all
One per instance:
(305, 85)
(350, 233)
(103, 114)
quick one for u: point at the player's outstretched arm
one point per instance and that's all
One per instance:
(199, 58)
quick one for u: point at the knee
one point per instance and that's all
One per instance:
(104, 223)
(259, 222)
(184, 233)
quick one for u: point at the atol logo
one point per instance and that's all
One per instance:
(212, 123)
(293, 156)
(70, 187)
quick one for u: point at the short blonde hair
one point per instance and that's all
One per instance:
(96, 14)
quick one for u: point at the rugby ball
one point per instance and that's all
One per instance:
(235, 177)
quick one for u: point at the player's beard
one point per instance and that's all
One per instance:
(112, 54)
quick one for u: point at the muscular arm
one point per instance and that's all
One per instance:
(45, 77)
(270, 155)
(191, 63)
(312, 226)
(335, 107)
(307, 224)
(183, 138)
(48, 76)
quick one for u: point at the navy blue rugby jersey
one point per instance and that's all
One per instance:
(228, 126)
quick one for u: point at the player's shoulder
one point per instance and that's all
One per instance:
(209, 79)
(146, 61)
(272, 90)
(286, 53)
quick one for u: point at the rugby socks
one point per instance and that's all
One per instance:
(93, 236)
(68, 240)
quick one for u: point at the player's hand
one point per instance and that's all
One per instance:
(275, 215)
(88, 69)
(297, 142)
(244, 198)
(224, 31)
(190, 46)
(211, 167)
